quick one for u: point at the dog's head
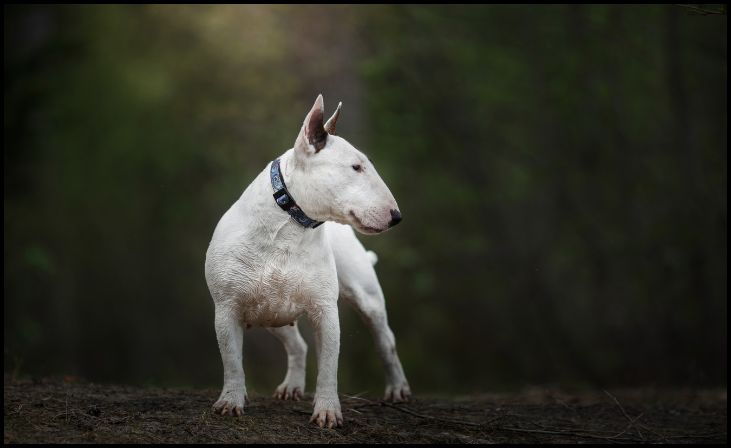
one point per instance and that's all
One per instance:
(335, 181)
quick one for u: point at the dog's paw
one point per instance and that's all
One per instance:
(327, 412)
(231, 402)
(290, 391)
(397, 392)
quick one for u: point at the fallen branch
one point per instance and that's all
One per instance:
(626, 415)
(632, 421)
(416, 414)
(410, 412)
(570, 433)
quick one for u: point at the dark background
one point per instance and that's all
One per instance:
(561, 171)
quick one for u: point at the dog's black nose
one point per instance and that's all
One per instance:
(395, 218)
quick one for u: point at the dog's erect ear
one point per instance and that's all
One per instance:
(312, 136)
(333, 121)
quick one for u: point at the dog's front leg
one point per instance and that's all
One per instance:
(230, 334)
(327, 331)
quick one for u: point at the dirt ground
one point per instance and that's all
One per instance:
(58, 411)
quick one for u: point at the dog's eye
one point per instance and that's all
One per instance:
(358, 168)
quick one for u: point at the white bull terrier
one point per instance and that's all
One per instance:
(270, 262)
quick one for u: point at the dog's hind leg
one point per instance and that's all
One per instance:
(293, 386)
(371, 306)
(359, 286)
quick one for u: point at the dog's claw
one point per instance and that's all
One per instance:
(231, 403)
(327, 414)
(287, 392)
(327, 418)
(397, 394)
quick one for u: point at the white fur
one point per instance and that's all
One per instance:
(265, 269)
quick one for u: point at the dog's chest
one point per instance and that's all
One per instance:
(285, 285)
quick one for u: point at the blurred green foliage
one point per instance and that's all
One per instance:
(561, 171)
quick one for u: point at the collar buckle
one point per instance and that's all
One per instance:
(283, 199)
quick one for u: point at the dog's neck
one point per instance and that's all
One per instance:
(270, 218)
(292, 178)
(286, 164)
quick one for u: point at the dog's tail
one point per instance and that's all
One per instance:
(372, 257)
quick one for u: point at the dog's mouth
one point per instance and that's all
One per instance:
(362, 227)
